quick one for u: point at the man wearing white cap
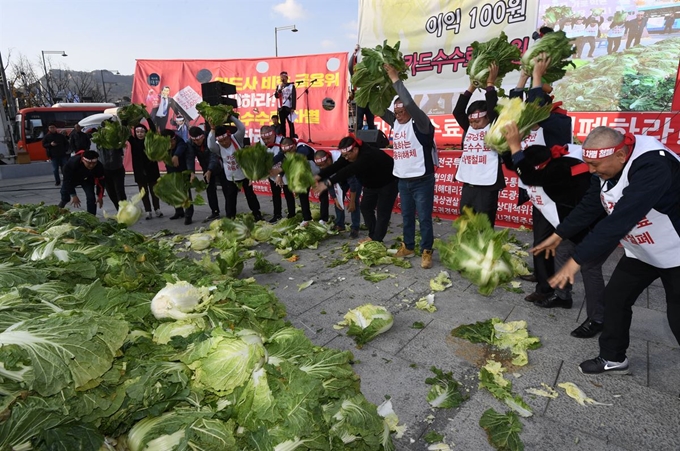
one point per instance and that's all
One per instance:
(638, 185)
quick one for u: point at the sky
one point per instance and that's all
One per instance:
(111, 34)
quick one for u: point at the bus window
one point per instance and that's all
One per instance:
(35, 130)
(68, 119)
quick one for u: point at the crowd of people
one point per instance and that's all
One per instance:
(587, 199)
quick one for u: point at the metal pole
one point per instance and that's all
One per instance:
(276, 42)
(101, 72)
(47, 79)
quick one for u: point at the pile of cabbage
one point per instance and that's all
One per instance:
(109, 341)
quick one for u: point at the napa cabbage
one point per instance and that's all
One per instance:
(366, 322)
(525, 115)
(177, 301)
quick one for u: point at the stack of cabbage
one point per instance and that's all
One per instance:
(85, 364)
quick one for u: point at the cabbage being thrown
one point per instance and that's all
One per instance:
(524, 114)
(497, 50)
(128, 211)
(559, 49)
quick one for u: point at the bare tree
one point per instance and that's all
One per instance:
(26, 82)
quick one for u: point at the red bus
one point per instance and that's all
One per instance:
(31, 124)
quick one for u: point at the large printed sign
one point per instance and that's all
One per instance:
(175, 86)
(627, 56)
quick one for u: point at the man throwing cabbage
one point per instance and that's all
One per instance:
(638, 186)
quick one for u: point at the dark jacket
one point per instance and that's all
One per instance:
(565, 180)
(60, 150)
(145, 170)
(654, 182)
(76, 174)
(373, 168)
(78, 141)
(185, 156)
(111, 159)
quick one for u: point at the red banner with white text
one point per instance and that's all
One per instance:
(316, 77)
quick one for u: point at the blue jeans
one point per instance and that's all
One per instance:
(58, 162)
(417, 195)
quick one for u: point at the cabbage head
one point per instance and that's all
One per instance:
(177, 301)
(182, 328)
(298, 172)
(225, 361)
(367, 322)
(525, 115)
(200, 241)
(128, 211)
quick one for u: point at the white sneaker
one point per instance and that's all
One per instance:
(322, 222)
(159, 213)
(304, 223)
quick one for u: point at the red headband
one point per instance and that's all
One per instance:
(268, 134)
(321, 160)
(600, 153)
(356, 140)
(287, 147)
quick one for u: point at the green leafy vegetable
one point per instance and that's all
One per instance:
(374, 87)
(173, 189)
(558, 47)
(497, 50)
(366, 322)
(502, 430)
(157, 147)
(375, 276)
(255, 161)
(131, 115)
(298, 172)
(445, 392)
(491, 378)
(441, 282)
(524, 114)
(215, 114)
(128, 211)
(111, 136)
(476, 250)
(556, 14)
(433, 437)
(512, 335)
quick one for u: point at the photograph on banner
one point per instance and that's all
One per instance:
(627, 53)
(171, 89)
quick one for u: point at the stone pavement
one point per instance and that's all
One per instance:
(645, 411)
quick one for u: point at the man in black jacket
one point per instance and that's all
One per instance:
(638, 186)
(373, 168)
(85, 170)
(211, 166)
(78, 140)
(56, 146)
(556, 182)
(181, 160)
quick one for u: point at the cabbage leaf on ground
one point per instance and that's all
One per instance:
(502, 430)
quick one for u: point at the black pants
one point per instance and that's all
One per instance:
(481, 199)
(544, 268)
(114, 182)
(231, 192)
(276, 199)
(633, 39)
(185, 212)
(630, 278)
(284, 115)
(211, 191)
(148, 191)
(376, 208)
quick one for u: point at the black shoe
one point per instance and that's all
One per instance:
(213, 216)
(61, 205)
(588, 329)
(257, 216)
(354, 233)
(536, 297)
(187, 220)
(554, 302)
(275, 219)
(529, 278)
(57, 183)
(177, 216)
(599, 365)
